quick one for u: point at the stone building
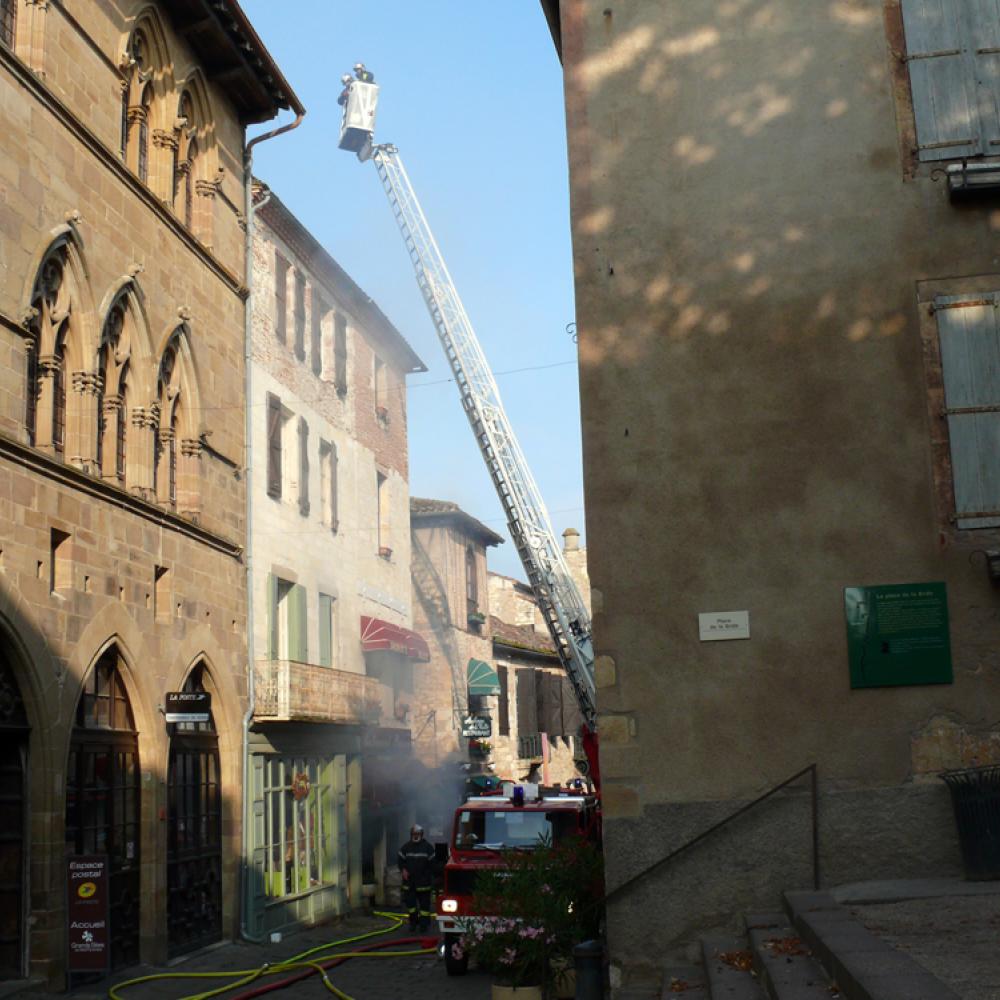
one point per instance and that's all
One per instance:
(122, 500)
(480, 666)
(787, 291)
(330, 551)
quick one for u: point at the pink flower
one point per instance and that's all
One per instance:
(457, 952)
(508, 956)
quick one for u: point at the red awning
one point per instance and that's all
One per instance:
(378, 634)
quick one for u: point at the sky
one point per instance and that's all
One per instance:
(471, 94)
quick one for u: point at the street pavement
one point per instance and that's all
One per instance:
(421, 977)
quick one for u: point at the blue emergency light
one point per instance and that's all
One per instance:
(517, 796)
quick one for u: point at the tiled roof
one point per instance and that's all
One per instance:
(521, 637)
(422, 508)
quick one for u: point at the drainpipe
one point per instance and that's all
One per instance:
(248, 214)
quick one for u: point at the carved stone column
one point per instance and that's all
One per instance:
(49, 372)
(204, 210)
(166, 466)
(139, 466)
(111, 414)
(81, 446)
(136, 120)
(163, 165)
(37, 11)
(189, 477)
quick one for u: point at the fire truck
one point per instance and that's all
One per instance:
(486, 826)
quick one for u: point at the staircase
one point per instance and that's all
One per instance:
(815, 950)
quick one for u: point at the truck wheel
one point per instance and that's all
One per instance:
(454, 966)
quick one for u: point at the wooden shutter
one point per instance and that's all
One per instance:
(527, 710)
(334, 512)
(340, 353)
(272, 617)
(572, 717)
(970, 362)
(303, 466)
(553, 705)
(300, 316)
(298, 641)
(942, 63)
(983, 20)
(273, 446)
(316, 337)
(503, 706)
(258, 844)
(325, 630)
(280, 297)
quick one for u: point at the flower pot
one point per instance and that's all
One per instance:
(563, 979)
(516, 992)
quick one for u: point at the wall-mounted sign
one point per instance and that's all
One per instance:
(188, 706)
(723, 625)
(88, 935)
(477, 727)
(898, 635)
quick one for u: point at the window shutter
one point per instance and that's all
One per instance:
(316, 338)
(984, 42)
(527, 710)
(280, 296)
(272, 616)
(970, 362)
(553, 705)
(298, 643)
(300, 316)
(942, 78)
(303, 466)
(340, 353)
(334, 513)
(273, 446)
(572, 718)
(503, 707)
(325, 630)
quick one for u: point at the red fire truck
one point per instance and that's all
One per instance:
(487, 825)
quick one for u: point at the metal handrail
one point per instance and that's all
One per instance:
(814, 795)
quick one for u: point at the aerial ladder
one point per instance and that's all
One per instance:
(541, 556)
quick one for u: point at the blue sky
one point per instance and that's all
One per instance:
(471, 93)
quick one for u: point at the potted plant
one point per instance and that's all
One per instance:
(545, 901)
(480, 748)
(476, 618)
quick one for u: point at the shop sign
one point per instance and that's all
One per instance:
(88, 934)
(477, 727)
(188, 706)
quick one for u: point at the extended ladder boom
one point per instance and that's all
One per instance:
(557, 594)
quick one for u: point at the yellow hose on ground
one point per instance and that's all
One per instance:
(299, 961)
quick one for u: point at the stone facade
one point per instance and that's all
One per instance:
(765, 249)
(454, 610)
(330, 551)
(122, 502)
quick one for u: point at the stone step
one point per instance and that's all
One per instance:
(787, 968)
(729, 969)
(865, 967)
(686, 982)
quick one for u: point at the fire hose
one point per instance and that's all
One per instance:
(314, 961)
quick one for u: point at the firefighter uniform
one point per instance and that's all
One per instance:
(416, 863)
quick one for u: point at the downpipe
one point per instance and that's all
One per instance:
(248, 215)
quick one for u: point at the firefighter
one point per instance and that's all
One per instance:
(363, 75)
(416, 865)
(346, 80)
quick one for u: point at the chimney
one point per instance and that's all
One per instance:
(571, 540)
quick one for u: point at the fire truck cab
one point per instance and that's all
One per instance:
(485, 826)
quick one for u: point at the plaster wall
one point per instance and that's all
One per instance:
(752, 240)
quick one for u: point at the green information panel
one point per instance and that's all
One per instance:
(898, 635)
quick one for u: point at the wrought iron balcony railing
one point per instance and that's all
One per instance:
(529, 746)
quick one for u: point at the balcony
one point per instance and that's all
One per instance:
(287, 691)
(529, 747)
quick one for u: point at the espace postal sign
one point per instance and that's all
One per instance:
(88, 936)
(714, 625)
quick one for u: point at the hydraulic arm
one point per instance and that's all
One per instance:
(554, 588)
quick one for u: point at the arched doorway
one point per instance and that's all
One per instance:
(13, 821)
(102, 797)
(194, 832)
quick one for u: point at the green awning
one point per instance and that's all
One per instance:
(482, 678)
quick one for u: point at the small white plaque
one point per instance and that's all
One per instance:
(723, 625)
